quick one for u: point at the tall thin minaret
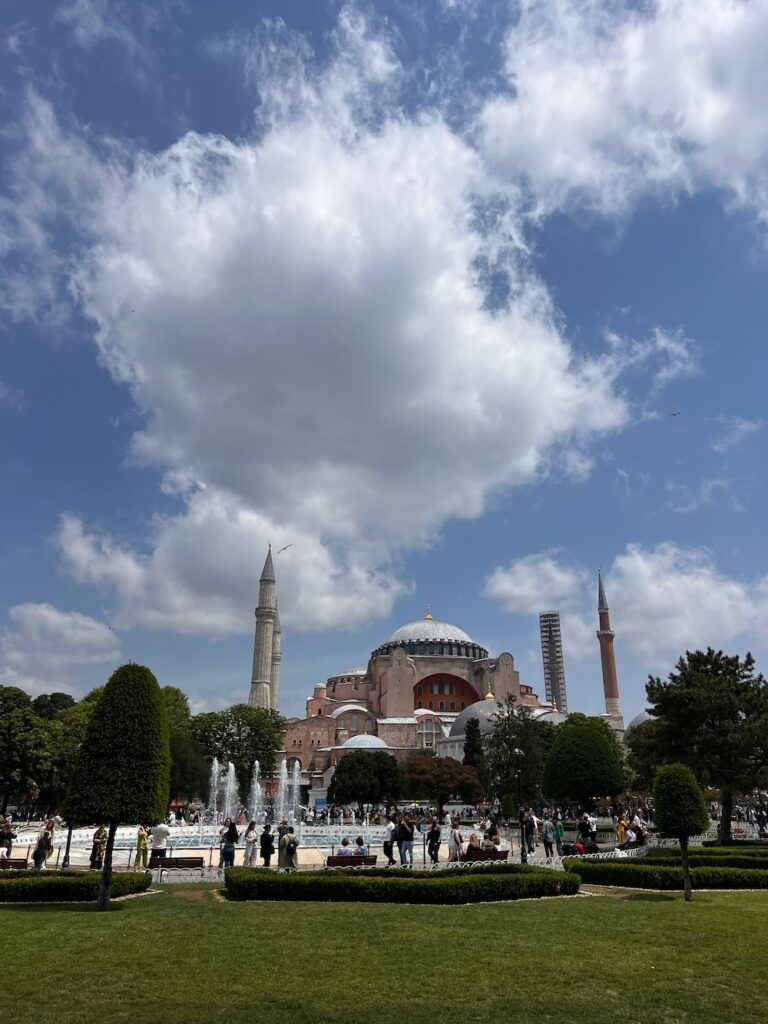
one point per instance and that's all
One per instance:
(277, 657)
(608, 659)
(266, 616)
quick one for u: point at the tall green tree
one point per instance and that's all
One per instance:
(366, 777)
(711, 714)
(581, 765)
(680, 811)
(48, 705)
(515, 729)
(189, 765)
(66, 732)
(438, 779)
(25, 750)
(123, 766)
(241, 734)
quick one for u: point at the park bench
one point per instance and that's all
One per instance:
(479, 855)
(177, 864)
(351, 862)
(14, 863)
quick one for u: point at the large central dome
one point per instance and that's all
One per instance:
(429, 629)
(428, 636)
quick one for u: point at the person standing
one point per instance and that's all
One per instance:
(160, 835)
(388, 846)
(559, 831)
(548, 836)
(98, 848)
(455, 844)
(229, 841)
(266, 845)
(251, 838)
(142, 841)
(529, 829)
(288, 856)
(406, 843)
(433, 841)
(43, 847)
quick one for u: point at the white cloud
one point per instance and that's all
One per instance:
(663, 600)
(735, 431)
(684, 499)
(534, 584)
(43, 648)
(12, 397)
(301, 319)
(614, 101)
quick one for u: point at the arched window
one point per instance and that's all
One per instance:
(442, 705)
(431, 706)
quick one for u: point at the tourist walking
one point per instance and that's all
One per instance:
(142, 842)
(529, 828)
(251, 839)
(230, 837)
(288, 856)
(388, 845)
(433, 841)
(98, 848)
(559, 831)
(455, 844)
(266, 846)
(43, 847)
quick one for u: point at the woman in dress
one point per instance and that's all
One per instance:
(251, 839)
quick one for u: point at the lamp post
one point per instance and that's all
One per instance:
(519, 754)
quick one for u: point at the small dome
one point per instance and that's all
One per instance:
(482, 710)
(640, 719)
(549, 715)
(355, 708)
(364, 741)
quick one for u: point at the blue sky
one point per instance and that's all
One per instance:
(416, 289)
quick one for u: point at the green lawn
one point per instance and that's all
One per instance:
(185, 955)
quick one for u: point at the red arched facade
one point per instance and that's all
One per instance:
(444, 692)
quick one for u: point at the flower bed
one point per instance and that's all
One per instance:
(399, 886)
(66, 886)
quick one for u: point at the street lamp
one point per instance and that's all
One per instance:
(519, 755)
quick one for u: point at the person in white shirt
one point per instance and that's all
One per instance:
(160, 835)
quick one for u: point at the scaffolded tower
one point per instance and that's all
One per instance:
(552, 655)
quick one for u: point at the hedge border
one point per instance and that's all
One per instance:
(72, 887)
(455, 887)
(637, 875)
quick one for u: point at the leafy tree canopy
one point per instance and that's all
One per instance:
(25, 748)
(241, 734)
(439, 778)
(365, 777)
(581, 765)
(711, 714)
(514, 729)
(48, 705)
(679, 808)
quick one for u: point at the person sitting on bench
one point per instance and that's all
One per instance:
(361, 850)
(344, 850)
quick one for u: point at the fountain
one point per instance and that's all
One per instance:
(231, 795)
(256, 797)
(296, 790)
(281, 801)
(213, 788)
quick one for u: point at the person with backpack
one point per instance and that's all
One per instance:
(288, 857)
(266, 845)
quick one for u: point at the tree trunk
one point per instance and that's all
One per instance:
(726, 809)
(106, 874)
(687, 894)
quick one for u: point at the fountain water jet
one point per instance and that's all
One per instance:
(282, 792)
(213, 787)
(231, 795)
(256, 796)
(296, 790)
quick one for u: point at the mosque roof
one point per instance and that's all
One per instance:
(364, 741)
(482, 710)
(429, 629)
(637, 720)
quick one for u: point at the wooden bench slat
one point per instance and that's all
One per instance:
(351, 861)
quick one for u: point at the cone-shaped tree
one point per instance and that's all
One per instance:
(122, 770)
(680, 811)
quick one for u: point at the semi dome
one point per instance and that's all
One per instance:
(365, 741)
(429, 636)
(482, 710)
(640, 719)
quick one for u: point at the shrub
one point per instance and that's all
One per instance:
(397, 886)
(638, 875)
(66, 887)
(740, 843)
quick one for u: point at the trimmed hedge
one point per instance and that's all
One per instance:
(741, 843)
(397, 886)
(487, 867)
(754, 860)
(67, 887)
(639, 875)
(753, 853)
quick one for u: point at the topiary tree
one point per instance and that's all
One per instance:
(123, 766)
(581, 765)
(680, 811)
(365, 777)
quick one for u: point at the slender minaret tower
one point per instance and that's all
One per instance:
(277, 657)
(266, 616)
(608, 660)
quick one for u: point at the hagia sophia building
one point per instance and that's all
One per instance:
(418, 690)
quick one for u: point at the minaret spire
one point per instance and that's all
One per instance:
(261, 694)
(605, 637)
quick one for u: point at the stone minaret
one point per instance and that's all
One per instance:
(608, 660)
(277, 657)
(263, 644)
